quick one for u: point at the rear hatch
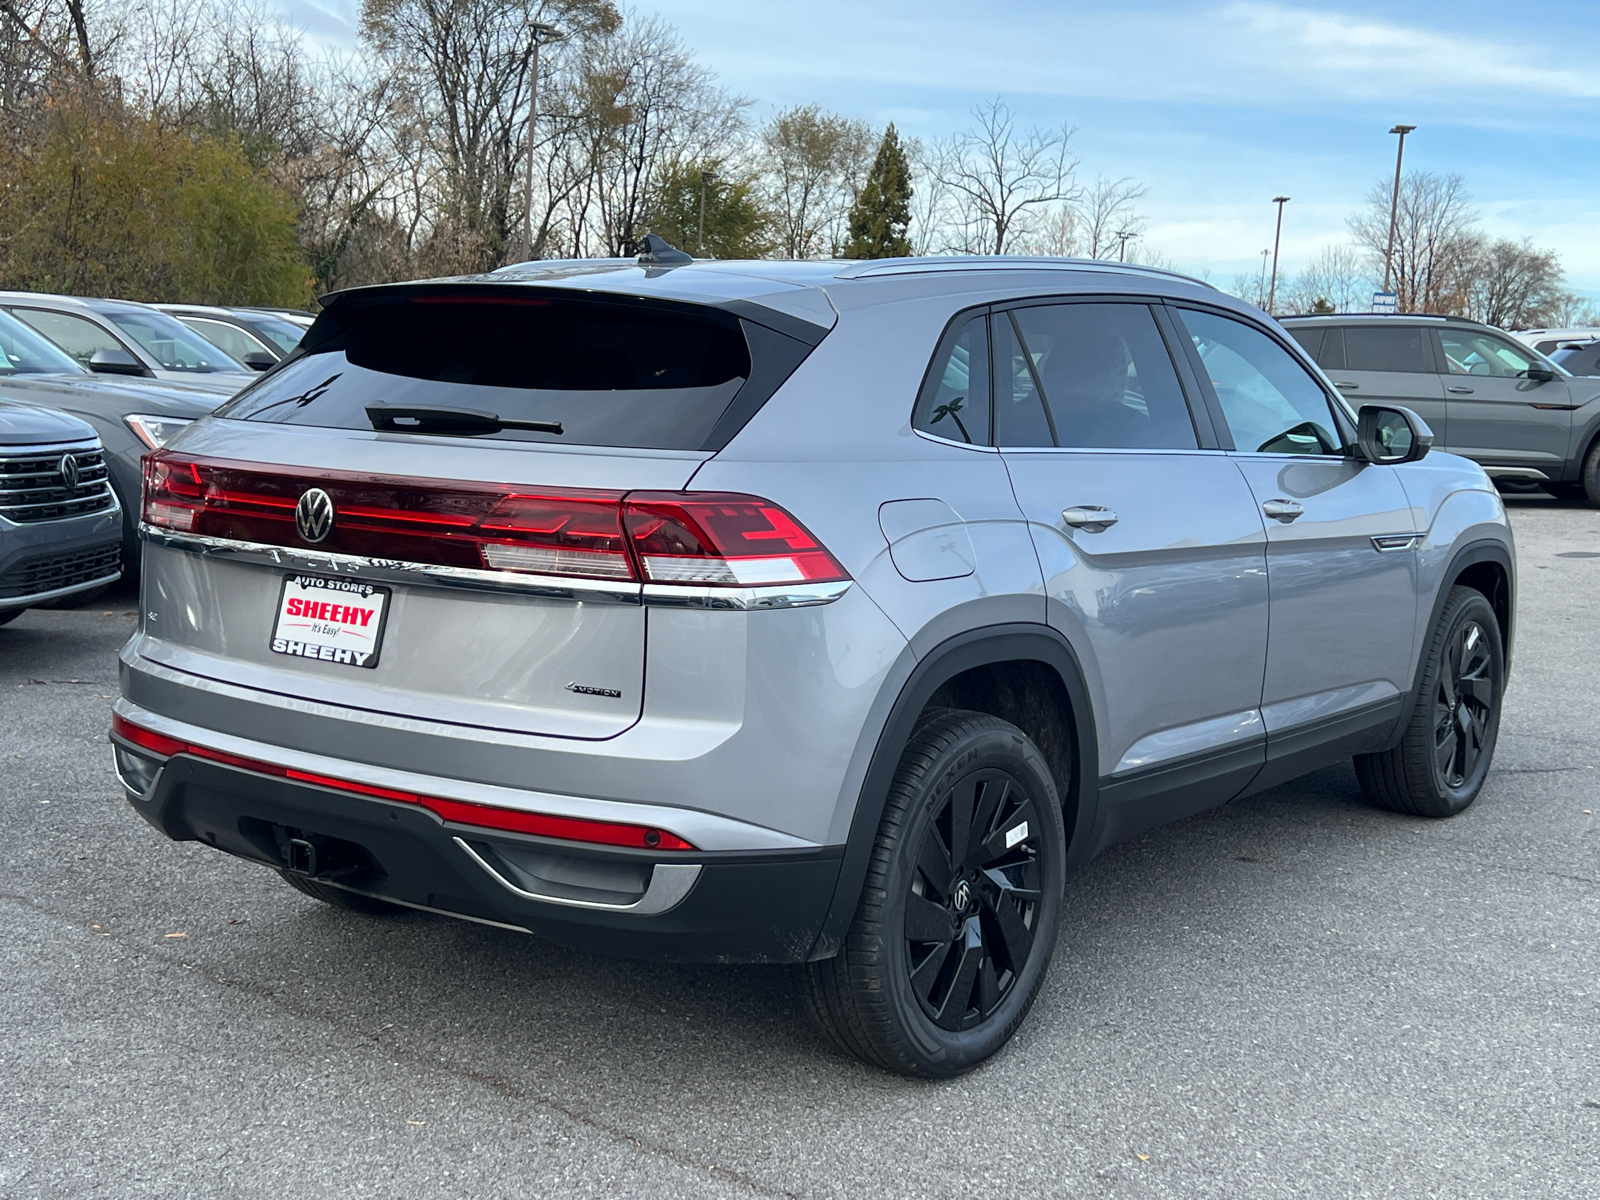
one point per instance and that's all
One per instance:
(443, 506)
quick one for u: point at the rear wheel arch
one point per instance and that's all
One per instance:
(1000, 670)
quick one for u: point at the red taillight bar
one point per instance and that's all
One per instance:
(459, 812)
(706, 539)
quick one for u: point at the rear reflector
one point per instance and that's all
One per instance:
(708, 539)
(459, 812)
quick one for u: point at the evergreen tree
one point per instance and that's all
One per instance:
(736, 223)
(882, 212)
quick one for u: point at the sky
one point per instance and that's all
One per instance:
(1216, 108)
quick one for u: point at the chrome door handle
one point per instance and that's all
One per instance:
(1091, 518)
(1283, 510)
(1463, 391)
(1348, 387)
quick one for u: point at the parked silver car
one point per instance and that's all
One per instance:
(59, 519)
(815, 613)
(118, 337)
(1486, 395)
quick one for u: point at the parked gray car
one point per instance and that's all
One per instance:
(812, 613)
(59, 520)
(1486, 395)
(131, 416)
(118, 337)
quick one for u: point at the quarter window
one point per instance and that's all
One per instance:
(955, 399)
(1087, 376)
(1272, 405)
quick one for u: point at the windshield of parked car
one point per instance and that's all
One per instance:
(24, 352)
(170, 344)
(584, 371)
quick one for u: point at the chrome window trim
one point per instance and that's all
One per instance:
(944, 441)
(553, 587)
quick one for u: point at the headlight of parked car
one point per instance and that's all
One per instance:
(155, 432)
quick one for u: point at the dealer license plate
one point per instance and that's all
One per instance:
(334, 620)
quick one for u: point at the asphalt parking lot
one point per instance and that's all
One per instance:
(1295, 995)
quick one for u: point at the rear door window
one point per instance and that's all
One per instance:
(1087, 376)
(643, 374)
(1385, 348)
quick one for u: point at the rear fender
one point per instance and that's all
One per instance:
(976, 648)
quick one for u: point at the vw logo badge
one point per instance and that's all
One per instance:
(961, 896)
(313, 516)
(68, 467)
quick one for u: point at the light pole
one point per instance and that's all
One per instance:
(1122, 249)
(1394, 201)
(538, 32)
(1272, 292)
(706, 177)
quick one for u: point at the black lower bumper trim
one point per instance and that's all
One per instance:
(743, 907)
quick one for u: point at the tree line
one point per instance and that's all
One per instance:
(1442, 262)
(202, 150)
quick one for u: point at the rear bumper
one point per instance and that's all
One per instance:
(679, 906)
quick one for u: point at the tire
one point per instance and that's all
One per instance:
(10, 614)
(935, 1006)
(1590, 479)
(1443, 758)
(339, 898)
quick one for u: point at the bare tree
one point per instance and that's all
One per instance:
(1512, 285)
(1057, 233)
(998, 177)
(1337, 280)
(1433, 237)
(1106, 210)
(814, 160)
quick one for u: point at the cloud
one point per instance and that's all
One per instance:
(1353, 55)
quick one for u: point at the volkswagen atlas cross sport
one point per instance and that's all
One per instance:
(813, 613)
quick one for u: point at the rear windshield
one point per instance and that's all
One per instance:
(607, 373)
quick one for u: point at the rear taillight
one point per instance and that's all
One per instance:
(707, 539)
(723, 540)
(459, 812)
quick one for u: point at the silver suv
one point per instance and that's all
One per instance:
(815, 613)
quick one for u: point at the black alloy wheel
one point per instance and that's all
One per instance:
(957, 919)
(973, 901)
(1443, 757)
(1463, 704)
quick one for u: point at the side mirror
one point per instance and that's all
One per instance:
(116, 362)
(1391, 435)
(1539, 373)
(259, 360)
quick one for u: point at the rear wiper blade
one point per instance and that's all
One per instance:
(399, 418)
